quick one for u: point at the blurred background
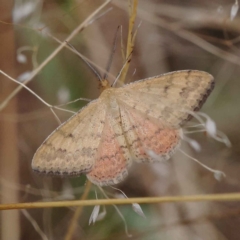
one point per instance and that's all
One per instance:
(173, 35)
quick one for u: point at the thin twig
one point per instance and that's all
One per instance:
(34, 224)
(77, 213)
(191, 37)
(31, 91)
(225, 197)
(119, 213)
(130, 40)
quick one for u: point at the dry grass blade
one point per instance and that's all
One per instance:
(145, 200)
(130, 40)
(77, 213)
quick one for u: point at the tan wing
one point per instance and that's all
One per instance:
(148, 139)
(169, 97)
(71, 148)
(113, 156)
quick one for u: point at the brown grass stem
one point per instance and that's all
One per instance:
(145, 200)
(77, 213)
(130, 40)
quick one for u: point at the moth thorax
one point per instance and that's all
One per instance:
(104, 84)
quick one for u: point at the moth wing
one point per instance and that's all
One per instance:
(169, 97)
(71, 148)
(153, 111)
(147, 138)
(113, 157)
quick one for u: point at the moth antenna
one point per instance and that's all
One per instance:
(97, 74)
(119, 74)
(122, 44)
(114, 46)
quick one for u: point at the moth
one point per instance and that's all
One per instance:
(140, 121)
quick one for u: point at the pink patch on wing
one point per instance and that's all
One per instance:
(153, 137)
(111, 162)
